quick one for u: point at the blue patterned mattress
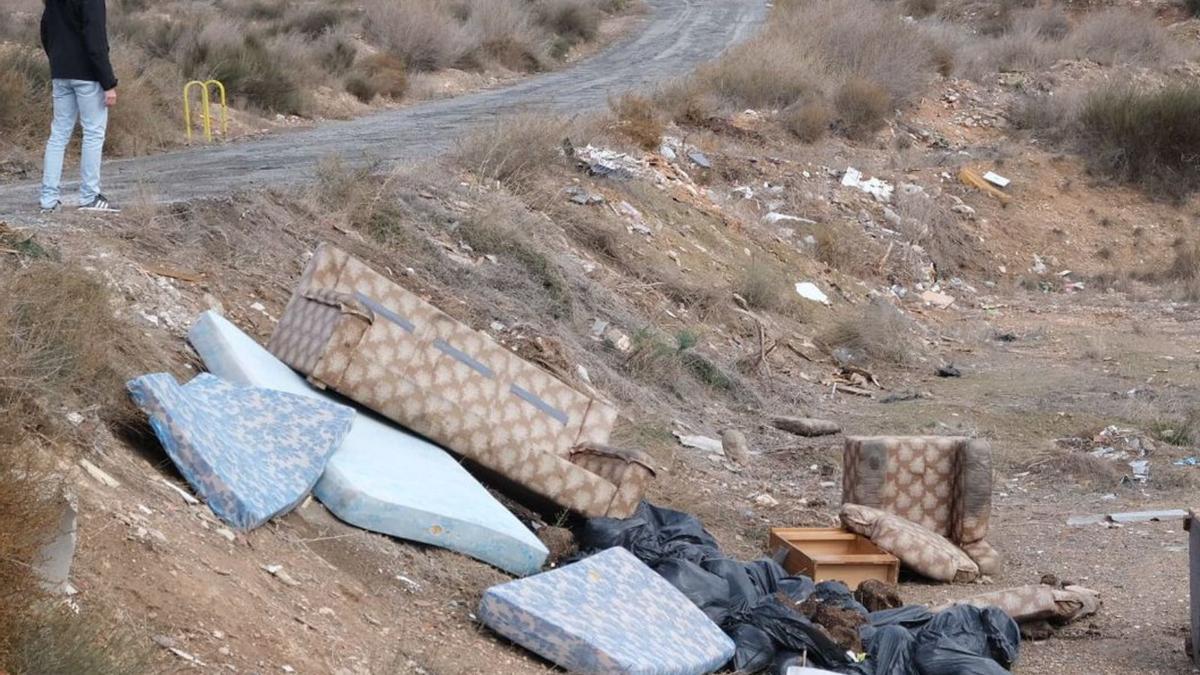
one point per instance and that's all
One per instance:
(607, 614)
(251, 453)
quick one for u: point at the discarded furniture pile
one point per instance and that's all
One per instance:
(650, 590)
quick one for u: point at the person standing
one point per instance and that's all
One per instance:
(75, 39)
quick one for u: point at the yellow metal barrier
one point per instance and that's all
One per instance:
(206, 110)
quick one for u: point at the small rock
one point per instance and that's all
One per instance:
(709, 445)
(75, 418)
(559, 541)
(735, 446)
(278, 572)
(774, 218)
(963, 210)
(227, 533)
(766, 501)
(949, 371)
(287, 669)
(700, 159)
(806, 426)
(219, 635)
(224, 651)
(258, 307)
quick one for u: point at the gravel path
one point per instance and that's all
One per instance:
(675, 36)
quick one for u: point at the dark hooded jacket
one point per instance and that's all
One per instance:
(75, 38)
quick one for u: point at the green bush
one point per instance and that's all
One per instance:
(1146, 136)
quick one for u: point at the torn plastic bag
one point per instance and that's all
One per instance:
(967, 640)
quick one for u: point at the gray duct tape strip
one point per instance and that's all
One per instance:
(463, 357)
(532, 399)
(386, 313)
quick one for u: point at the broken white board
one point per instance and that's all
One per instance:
(809, 291)
(382, 478)
(996, 179)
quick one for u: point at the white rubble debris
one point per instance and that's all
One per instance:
(809, 291)
(880, 190)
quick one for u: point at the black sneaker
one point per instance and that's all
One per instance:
(46, 210)
(100, 203)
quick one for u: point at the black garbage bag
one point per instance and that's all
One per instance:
(967, 640)
(706, 590)
(837, 594)
(890, 650)
(797, 588)
(652, 533)
(909, 616)
(792, 631)
(755, 649)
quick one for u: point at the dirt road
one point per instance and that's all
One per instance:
(675, 36)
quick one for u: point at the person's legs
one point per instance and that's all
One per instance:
(61, 128)
(93, 117)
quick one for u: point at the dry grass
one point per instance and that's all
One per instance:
(877, 332)
(638, 120)
(378, 75)
(862, 107)
(1122, 36)
(1146, 136)
(808, 121)
(513, 149)
(58, 342)
(932, 225)
(763, 287)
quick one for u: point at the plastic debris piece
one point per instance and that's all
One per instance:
(809, 291)
(996, 179)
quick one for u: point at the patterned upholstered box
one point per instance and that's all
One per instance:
(352, 330)
(607, 614)
(943, 483)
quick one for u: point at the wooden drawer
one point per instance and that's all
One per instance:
(825, 553)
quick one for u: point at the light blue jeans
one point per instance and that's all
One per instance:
(75, 100)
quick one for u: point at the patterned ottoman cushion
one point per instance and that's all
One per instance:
(925, 551)
(607, 614)
(1038, 601)
(250, 453)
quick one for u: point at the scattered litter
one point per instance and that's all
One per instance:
(937, 299)
(969, 177)
(1187, 461)
(880, 190)
(996, 179)
(583, 196)
(1141, 470)
(75, 418)
(412, 585)
(227, 534)
(287, 669)
(949, 371)
(99, 474)
(700, 159)
(774, 218)
(171, 272)
(806, 426)
(187, 496)
(609, 163)
(54, 560)
(636, 223)
(809, 291)
(1084, 521)
(279, 573)
(1147, 516)
(169, 645)
(709, 445)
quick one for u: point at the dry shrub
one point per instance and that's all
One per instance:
(763, 287)
(878, 332)
(938, 230)
(862, 107)
(513, 149)
(1122, 36)
(503, 31)
(59, 641)
(573, 19)
(688, 101)
(1012, 51)
(1185, 266)
(1147, 136)
(251, 70)
(24, 91)
(768, 71)
(1192, 6)
(378, 75)
(808, 121)
(1048, 22)
(421, 32)
(638, 120)
(1051, 116)
(313, 21)
(30, 506)
(146, 117)
(920, 8)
